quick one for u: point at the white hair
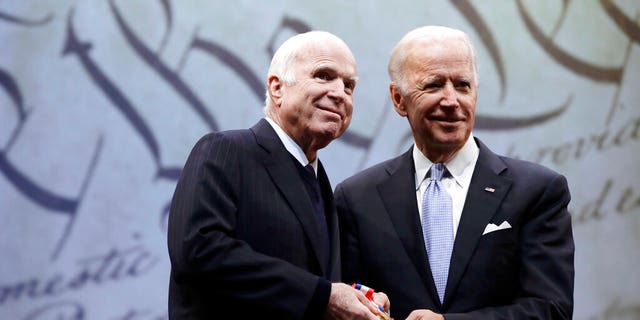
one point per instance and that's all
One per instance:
(284, 59)
(397, 61)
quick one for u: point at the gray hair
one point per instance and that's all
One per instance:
(284, 59)
(397, 62)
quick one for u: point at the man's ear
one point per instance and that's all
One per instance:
(398, 100)
(274, 86)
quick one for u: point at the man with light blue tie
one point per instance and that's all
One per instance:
(450, 230)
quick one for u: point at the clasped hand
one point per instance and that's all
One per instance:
(347, 303)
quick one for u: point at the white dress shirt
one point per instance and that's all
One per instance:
(293, 148)
(460, 167)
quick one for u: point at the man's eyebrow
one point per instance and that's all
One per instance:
(324, 67)
(333, 69)
(430, 78)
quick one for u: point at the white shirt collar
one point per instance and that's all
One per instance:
(291, 146)
(460, 166)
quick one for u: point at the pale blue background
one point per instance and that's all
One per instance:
(85, 176)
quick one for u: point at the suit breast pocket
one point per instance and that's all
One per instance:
(497, 255)
(501, 242)
(492, 274)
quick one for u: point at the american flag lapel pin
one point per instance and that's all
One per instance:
(489, 189)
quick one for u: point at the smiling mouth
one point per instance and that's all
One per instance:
(447, 120)
(332, 112)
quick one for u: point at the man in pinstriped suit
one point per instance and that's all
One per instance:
(250, 234)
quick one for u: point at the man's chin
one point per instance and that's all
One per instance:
(331, 128)
(450, 142)
(325, 135)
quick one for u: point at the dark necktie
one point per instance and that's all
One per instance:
(318, 204)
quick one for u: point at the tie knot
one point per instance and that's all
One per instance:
(437, 171)
(309, 169)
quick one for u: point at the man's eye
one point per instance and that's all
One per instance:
(432, 85)
(323, 76)
(349, 85)
(464, 84)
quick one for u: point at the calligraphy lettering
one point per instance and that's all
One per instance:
(113, 266)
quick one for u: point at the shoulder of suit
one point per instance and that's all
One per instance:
(515, 167)
(238, 135)
(225, 139)
(528, 169)
(375, 173)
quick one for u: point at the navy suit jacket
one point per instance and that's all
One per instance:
(525, 272)
(242, 235)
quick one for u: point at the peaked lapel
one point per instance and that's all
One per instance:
(479, 207)
(284, 175)
(398, 194)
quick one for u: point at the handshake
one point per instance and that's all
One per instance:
(368, 293)
(357, 302)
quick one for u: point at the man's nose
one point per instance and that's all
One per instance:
(449, 96)
(337, 90)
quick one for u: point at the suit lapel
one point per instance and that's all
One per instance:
(398, 194)
(284, 175)
(334, 272)
(480, 206)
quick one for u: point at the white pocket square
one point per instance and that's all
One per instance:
(492, 227)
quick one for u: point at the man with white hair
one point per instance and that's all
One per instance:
(450, 230)
(253, 231)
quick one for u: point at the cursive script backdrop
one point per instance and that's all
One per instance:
(101, 101)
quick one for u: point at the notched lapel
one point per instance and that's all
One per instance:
(399, 197)
(284, 175)
(486, 192)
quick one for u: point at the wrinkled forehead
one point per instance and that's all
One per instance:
(326, 45)
(327, 51)
(423, 53)
(436, 46)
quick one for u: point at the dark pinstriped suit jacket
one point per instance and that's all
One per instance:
(524, 272)
(242, 236)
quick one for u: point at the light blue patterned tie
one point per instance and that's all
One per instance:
(437, 227)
